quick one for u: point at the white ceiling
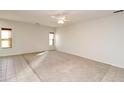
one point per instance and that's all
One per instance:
(43, 17)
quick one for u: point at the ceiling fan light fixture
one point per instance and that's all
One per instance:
(60, 18)
(60, 21)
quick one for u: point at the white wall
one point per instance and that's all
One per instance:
(100, 39)
(26, 37)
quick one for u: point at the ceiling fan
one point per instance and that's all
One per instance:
(60, 18)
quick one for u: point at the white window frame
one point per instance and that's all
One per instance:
(9, 39)
(51, 38)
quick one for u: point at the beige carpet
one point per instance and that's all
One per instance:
(56, 66)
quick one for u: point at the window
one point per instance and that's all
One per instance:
(51, 38)
(6, 38)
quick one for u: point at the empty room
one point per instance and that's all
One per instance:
(61, 45)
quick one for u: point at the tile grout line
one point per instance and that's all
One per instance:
(31, 68)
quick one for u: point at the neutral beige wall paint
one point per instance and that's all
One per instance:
(26, 37)
(99, 39)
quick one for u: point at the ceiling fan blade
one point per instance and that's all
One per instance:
(66, 20)
(53, 16)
